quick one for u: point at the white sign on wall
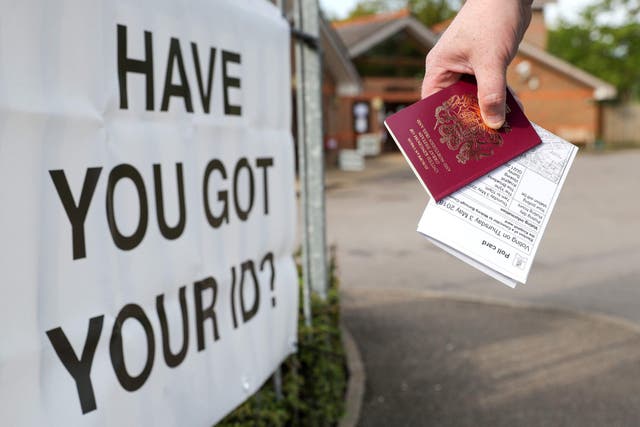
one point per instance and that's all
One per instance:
(148, 209)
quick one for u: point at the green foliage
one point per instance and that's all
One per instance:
(371, 7)
(431, 12)
(628, 10)
(428, 11)
(603, 45)
(313, 380)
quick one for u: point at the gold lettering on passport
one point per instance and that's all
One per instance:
(462, 129)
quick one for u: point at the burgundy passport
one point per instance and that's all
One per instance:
(448, 145)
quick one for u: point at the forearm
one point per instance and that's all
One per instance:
(490, 27)
(482, 40)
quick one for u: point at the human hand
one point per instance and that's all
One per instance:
(482, 40)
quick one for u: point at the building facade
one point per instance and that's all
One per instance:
(388, 53)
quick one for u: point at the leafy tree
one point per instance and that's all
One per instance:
(629, 10)
(431, 12)
(604, 42)
(428, 11)
(371, 7)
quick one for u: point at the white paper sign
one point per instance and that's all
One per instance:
(148, 209)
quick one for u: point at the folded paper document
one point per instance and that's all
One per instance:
(492, 192)
(496, 223)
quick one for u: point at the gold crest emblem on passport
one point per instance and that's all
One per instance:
(462, 129)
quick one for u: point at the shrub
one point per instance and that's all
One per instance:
(313, 379)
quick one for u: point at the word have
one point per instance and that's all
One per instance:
(175, 61)
(80, 367)
(77, 210)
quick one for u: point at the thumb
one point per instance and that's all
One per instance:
(492, 94)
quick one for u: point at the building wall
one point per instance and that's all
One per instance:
(337, 116)
(620, 122)
(376, 91)
(536, 34)
(554, 101)
(551, 99)
(400, 89)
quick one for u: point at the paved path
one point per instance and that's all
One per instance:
(437, 348)
(446, 362)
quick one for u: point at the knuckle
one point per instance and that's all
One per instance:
(431, 58)
(493, 100)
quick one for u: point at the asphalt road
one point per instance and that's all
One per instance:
(443, 344)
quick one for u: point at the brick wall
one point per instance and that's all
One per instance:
(537, 32)
(404, 89)
(554, 101)
(337, 115)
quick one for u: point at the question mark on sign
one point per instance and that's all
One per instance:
(269, 257)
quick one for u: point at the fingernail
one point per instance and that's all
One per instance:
(494, 122)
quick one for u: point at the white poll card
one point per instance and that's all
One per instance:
(496, 223)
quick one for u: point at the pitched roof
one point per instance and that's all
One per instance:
(335, 55)
(337, 60)
(369, 19)
(601, 90)
(361, 34)
(438, 28)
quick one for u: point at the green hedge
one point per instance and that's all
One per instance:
(313, 380)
